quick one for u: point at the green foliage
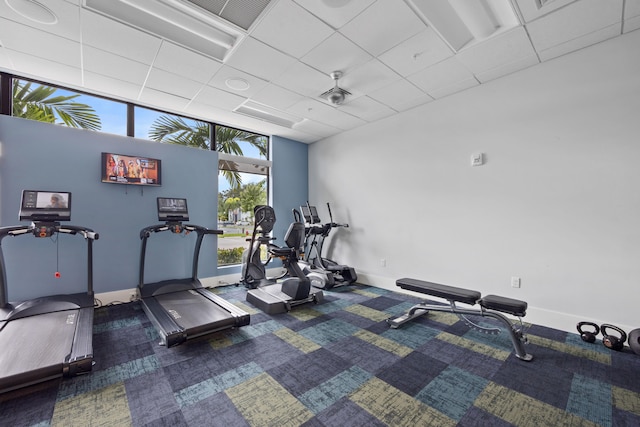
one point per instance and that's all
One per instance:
(175, 130)
(230, 256)
(38, 103)
(253, 194)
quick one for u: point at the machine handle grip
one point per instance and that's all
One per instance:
(335, 224)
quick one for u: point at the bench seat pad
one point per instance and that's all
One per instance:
(504, 304)
(450, 293)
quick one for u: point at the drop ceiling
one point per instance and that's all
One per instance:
(261, 65)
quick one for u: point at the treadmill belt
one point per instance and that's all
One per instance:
(194, 312)
(37, 343)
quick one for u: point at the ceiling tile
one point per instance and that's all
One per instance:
(452, 88)
(508, 48)
(337, 53)
(335, 16)
(532, 10)
(412, 103)
(367, 109)
(109, 64)
(368, 77)
(580, 42)
(29, 41)
(259, 59)
(318, 111)
(111, 36)
(276, 97)
(170, 83)
(67, 15)
(304, 80)
(398, 94)
(392, 60)
(631, 15)
(283, 26)
(228, 73)
(382, 26)
(5, 62)
(218, 98)
(574, 21)
(631, 24)
(178, 60)
(446, 74)
(316, 128)
(416, 53)
(39, 68)
(508, 68)
(157, 97)
(111, 87)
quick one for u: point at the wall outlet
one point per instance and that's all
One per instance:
(515, 282)
(477, 159)
(383, 262)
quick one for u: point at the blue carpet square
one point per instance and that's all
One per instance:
(301, 374)
(524, 378)
(591, 400)
(363, 354)
(216, 410)
(411, 373)
(151, 398)
(330, 331)
(346, 413)
(452, 392)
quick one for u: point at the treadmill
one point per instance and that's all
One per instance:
(47, 337)
(182, 309)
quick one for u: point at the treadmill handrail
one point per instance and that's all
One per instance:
(21, 230)
(146, 232)
(200, 230)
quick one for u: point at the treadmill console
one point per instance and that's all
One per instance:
(45, 206)
(172, 209)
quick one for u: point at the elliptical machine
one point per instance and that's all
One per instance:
(315, 235)
(268, 294)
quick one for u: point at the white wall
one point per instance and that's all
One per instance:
(557, 202)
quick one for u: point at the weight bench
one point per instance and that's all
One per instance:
(490, 306)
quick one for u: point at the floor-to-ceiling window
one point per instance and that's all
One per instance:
(242, 185)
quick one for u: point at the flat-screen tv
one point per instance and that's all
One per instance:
(172, 209)
(45, 206)
(127, 169)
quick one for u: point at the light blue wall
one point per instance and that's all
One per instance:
(40, 156)
(290, 181)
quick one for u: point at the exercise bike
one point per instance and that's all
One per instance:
(270, 294)
(315, 235)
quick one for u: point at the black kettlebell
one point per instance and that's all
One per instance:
(611, 341)
(588, 336)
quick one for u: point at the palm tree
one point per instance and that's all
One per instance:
(38, 103)
(175, 130)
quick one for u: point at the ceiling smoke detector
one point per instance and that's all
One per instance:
(335, 95)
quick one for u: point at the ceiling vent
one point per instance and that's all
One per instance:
(460, 23)
(181, 22)
(267, 114)
(242, 13)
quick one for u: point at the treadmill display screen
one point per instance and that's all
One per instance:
(45, 206)
(172, 209)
